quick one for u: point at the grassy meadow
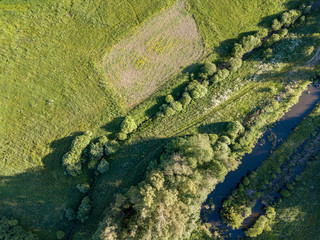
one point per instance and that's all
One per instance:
(54, 84)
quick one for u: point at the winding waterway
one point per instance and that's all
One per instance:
(250, 162)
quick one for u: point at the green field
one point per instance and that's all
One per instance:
(71, 66)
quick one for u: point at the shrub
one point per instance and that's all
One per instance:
(84, 209)
(168, 110)
(177, 106)
(196, 90)
(285, 193)
(83, 188)
(308, 51)
(290, 17)
(60, 235)
(11, 230)
(225, 139)
(268, 53)
(272, 40)
(246, 181)
(122, 136)
(238, 50)
(207, 70)
(250, 42)
(103, 166)
(262, 33)
(213, 138)
(234, 64)
(169, 98)
(283, 33)
(96, 151)
(72, 159)
(221, 75)
(234, 129)
(128, 125)
(276, 25)
(70, 214)
(185, 99)
(111, 147)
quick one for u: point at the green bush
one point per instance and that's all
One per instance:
(169, 98)
(207, 70)
(268, 53)
(128, 125)
(196, 90)
(111, 147)
(103, 166)
(276, 25)
(60, 235)
(185, 99)
(72, 159)
(225, 139)
(84, 210)
(177, 106)
(285, 193)
(262, 33)
(250, 42)
(234, 64)
(83, 188)
(122, 136)
(283, 33)
(220, 75)
(70, 214)
(238, 50)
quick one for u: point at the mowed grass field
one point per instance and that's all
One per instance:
(137, 66)
(52, 87)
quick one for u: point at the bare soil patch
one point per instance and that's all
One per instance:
(141, 63)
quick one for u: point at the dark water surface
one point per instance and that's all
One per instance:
(250, 162)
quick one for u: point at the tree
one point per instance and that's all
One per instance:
(238, 50)
(83, 188)
(185, 99)
(207, 70)
(169, 98)
(221, 75)
(177, 106)
(84, 210)
(72, 159)
(103, 166)
(250, 42)
(128, 125)
(276, 25)
(262, 33)
(196, 90)
(234, 64)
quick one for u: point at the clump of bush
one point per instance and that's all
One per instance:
(234, 64)
(263, 223)
(70, 214)
(103, 166)
(84, 209)
(72, 160)
(10, 229)
(196, 90)
(207, 70)
(83, 188)
(221, 75)
(127, 126)
(185, 99)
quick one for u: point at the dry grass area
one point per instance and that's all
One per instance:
(139, 64)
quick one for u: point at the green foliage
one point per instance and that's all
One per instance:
(283, 33)
(111, 147)
(225, 139)
(234, 129)
(196, 90)
(250, 42)
(163, 206)
(128, 125)
(262, 33)
(72, 159)
(238, 50)
(220, 75)
(60, 235)
(285, 193)
(83, 188)
(185, 99)
(10, 229)
(84, 209)
(70, 214)
(103, 166)
(268, 53)
(213, 138)
(169, 98)
(207, 70)
(122, 136)
(234, 64)
(308, 51)
(263, 223)
(276, 25)
(177, 106)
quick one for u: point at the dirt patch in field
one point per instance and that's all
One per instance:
(141, 63)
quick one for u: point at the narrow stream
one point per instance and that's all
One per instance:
(250, 162)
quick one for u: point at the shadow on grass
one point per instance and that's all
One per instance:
(39, 196)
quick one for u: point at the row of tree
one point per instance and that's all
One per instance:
(166, 205)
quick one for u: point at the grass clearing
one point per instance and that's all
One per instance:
(138, 65)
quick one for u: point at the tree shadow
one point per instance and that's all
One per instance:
(39, 196)
(213, 128)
